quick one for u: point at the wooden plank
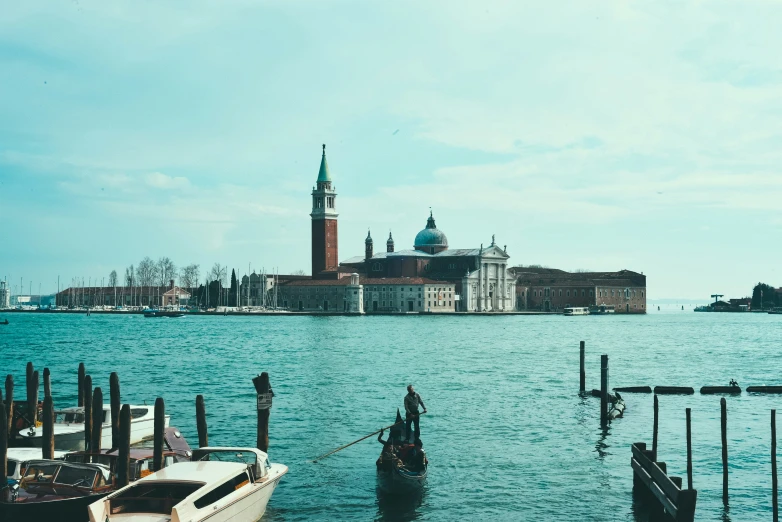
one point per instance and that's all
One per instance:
(720, 390)
(669, 505)
(634, 389)
(657, 474)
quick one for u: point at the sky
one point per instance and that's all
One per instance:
(584, 135)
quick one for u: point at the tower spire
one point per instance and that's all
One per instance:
(323, 174)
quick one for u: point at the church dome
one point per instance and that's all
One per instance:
(430, 237)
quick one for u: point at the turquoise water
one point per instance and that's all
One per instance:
(507, 434)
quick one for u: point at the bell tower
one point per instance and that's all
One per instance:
(324, 221)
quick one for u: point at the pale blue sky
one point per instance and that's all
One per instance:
(598, 135)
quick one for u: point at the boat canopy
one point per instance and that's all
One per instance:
(255, 458)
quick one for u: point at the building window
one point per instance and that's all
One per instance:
(642, 293)
(560, 293)
(612, 293)
(590, 293)
(583, 293)
(430, 304)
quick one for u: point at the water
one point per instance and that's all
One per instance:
(507, 434)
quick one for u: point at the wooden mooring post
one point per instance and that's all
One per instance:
(724, 433)
(47, 383)
(87, 390)
(114, 397)
(203, 433)
(3, 437)
(9, 403)
(97, 420)
(774, 483)
(603, 390)
(689, 450)
(159, 429)
(82, 372)
(264, 396)
(655, 425)
(28, 384)
(123, 462)
(582, 387)
(47, 444)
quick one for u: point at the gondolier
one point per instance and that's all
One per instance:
(412, 400)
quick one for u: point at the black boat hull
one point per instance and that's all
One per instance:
(66, 510)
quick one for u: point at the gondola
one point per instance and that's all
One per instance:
(400, 475)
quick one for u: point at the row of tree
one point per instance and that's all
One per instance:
(765, 296)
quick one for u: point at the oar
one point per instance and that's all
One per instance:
(355, 441)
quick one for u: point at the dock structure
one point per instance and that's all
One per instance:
(651, 480)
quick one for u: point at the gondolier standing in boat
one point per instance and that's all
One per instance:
(412, 400)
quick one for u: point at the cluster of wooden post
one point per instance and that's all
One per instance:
(92, 402)
(724, 444)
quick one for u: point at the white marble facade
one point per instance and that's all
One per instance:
(491, 288)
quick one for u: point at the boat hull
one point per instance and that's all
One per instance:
(400, 480)
(73, 440)
(70, 509)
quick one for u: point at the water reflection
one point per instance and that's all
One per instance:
(601, 446)
(399, 506)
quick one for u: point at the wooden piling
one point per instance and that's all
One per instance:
(97, 421)
(689, 450)
(28, 383)
(123, 462)
(87, 389)
(582, 388)
(9, 403)
(29, 388)
(603, 390)
(774, 483)
(203, 434)
(159, 428)
(115, 408)
(3, 437)
(80, 399)
(47, 444)
(655, 425)
(47, 383)
(261, 383)
(35, 388)
(724, 431)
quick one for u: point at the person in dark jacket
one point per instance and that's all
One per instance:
(412, 401)
(389, 454)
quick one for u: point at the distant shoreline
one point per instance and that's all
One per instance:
(286, 314)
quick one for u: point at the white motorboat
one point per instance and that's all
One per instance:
(220, 484)
(18, 456)
(69, 428)
(576, 310)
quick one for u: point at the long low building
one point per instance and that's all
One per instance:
(358, 294)
(551, 290)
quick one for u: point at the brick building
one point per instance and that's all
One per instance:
(357, 294)
(551, 289)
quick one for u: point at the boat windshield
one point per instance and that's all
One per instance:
(39, 473)
(152, 497)
(226, 456)
(69, 417)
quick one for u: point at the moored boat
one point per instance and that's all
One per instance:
(221, 484)
(55, 490)
(17, 457)
(576, 310)
(69, 428)
(405, 466)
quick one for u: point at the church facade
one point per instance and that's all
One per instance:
(480, 276)
(430, 277)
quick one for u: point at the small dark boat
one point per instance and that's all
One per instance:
(404, 471)
(163, 313)
(55, 490)
(4, 321)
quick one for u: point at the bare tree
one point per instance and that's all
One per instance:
(113, 279)
(298, 272)
(219, 273)
(188, 276)
(130, 275)
(145, 272)
(165, 270)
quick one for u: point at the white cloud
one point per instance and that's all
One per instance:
(159, 180)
